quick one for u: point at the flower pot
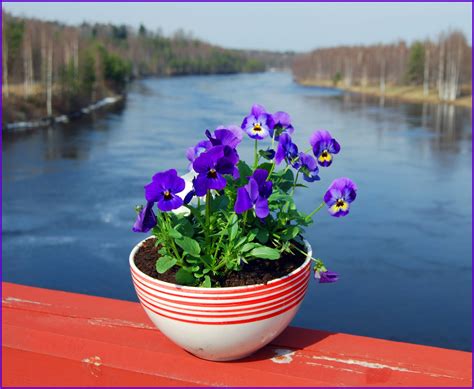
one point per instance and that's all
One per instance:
(222, 324)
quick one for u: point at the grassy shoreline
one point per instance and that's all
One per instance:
(412, 94)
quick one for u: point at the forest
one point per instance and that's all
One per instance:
(50, 68)
(440, 67)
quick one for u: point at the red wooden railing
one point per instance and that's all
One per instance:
(52, 338)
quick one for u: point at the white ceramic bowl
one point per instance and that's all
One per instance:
(222, 324)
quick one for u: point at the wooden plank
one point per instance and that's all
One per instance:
(94, 341)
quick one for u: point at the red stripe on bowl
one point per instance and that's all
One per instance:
(199, 303)
(227, 313)
(273, 314)
(217, 296)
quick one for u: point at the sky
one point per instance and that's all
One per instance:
(270, 26)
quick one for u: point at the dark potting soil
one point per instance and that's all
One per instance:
(258, 271)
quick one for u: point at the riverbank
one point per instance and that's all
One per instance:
(63, 118)
(412, 94)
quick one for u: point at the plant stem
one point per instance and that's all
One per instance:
(173, 245)
(255, 151)
(302, 252)
(317, 209)
(208, 214)
(222, 235)
(294, 183)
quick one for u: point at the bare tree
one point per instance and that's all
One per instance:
(4, 57)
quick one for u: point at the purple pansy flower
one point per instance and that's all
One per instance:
(340, 194)
(308, 166)
(286, 150)
(193, 152)
(146, 219)
(281, 124)
(164, 188)
(225, 136)
(324, 145)
(326, 277)
(259, 124)
(255, 194)
(211, 166)
(229, 138)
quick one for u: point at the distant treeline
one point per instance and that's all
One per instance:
(443, 65)
(59, 68)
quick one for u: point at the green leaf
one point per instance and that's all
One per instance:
(185, 227)
(234, 227)
(241, 241)
(163, 264)
(219, 203)
(183, 277)
(174, 234)
(207, 282)
(290, 232)
(285, 181)
(262, 236)
(244, 169)
(265, 252)
(189, 245)
(249, 246)
(266, 166)
(267, 154)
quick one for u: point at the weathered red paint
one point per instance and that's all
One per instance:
(56, 338)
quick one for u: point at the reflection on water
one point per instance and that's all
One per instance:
(404, 252)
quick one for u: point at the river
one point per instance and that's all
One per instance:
(404, 252)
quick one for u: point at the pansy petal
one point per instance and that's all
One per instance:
(153, 191)
(338, 211)
(199, 184)
(202, 164)
(189, 197)
(259, 134)
(292, 151)
(260, 175)
(247, 123)
(252, 189)
(231, 154)
(261, 208)
(217, 183)
(169, 204)
(333, 146)
(235, 173)
(176, 184)
(328, 277)
(146, 219)
(332, 195)
(311, 177)
(280, 154)
(208, 159)
(225, 166)
(258, 110)
(227, 137)
(281, 118)
(319, 136)
(265, 189)
(243, 202)
(190, 154)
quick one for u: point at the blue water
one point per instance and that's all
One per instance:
(404, 252)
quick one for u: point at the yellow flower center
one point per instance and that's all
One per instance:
(257, 127)
(340, 203)
(167, 195)
(325, 156)
(212, 173)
